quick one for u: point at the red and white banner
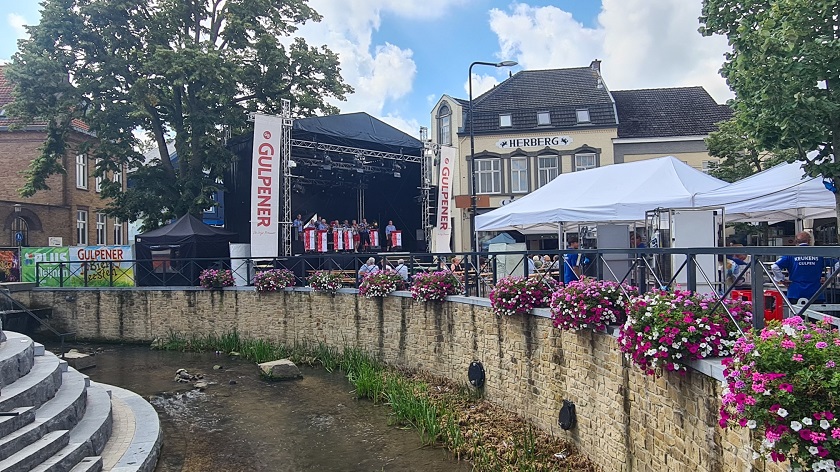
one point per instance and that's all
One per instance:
(321, 244)
(348, 240)
(396, 238)
(374, 238)
(338, 240)
(309, 239)
(265, 185)
(443, 228)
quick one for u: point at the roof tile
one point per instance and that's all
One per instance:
(667, 112)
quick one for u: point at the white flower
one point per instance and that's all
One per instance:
(807, 421)
(782, 412)
(795, 425)
(824, 424)
(813, 450)
(751, 424)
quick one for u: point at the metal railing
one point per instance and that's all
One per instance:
(9, 305)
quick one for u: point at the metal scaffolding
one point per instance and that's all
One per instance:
(425, 186)
(286, 146)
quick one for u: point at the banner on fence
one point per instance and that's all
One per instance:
(73, 266)
(9, 265)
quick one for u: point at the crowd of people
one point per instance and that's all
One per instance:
(360, 231)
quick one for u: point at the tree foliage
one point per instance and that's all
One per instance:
(740, 155)
(181, 70)
(784, 68)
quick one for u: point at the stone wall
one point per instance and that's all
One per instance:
(626, 420)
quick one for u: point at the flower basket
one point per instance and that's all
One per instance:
(785, 384)
(666, 330)
(589, 304)
(273, 280)
(430, 286)
(322, 281)
(516, 295)
(380, 284)
(213, 278)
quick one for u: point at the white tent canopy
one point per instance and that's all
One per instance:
(614, 193)
(776, 194)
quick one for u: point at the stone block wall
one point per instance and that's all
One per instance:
(626, 421)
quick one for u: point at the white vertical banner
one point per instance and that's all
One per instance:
(443, 229)
(265, 185)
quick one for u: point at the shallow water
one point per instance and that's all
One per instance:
(243, 423)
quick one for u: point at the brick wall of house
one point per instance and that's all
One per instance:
(626, 421)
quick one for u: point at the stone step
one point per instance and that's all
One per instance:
(89, 464)
(88, 437)
(35, 453)
(16, 357)
(135, 441)
(16, 419)
(38, 386)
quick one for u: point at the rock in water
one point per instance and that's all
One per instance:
(283, 369)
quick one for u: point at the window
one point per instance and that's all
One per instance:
(101, 229)
(547, 169)
(98, 180)
(118, 232)
(583, 116)
(585, 161)
(445, 125)
(489, 175)
(543, 118)
(505, 121)
(81, 172)
(709, 166)
(20, 232)
(519, 174)
(81, 227)
(118, 176)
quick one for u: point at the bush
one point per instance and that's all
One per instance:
(518, 295)
(322, 281)
(589, 303)
(273, 280)
(785, 382)
(213, 278)
(430, 286)
(666, 330)
(380, 284)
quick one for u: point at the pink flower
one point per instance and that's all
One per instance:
(786, 387)
(821, 345)
(788, 344)
(797, 358)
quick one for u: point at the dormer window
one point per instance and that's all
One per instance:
(505, 121)
(543, 118)
(445, 125)
(583, 115)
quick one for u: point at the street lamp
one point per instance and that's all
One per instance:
(473, 233)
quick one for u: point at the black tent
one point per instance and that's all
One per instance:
(164, 254)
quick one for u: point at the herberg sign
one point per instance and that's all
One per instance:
(542, 141)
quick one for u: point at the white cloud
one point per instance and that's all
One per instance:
(17, 23)
(480, 84)
(643, 43)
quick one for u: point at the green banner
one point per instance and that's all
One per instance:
(78, 266)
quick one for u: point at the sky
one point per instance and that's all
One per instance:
(401, 56)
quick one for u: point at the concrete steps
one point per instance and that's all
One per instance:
(54, 419)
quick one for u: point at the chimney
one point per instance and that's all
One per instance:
(595, 65)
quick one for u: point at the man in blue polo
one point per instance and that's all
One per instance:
(573, 263)
(804, 272)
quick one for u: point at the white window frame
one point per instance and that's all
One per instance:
(582, 115)
(708, 166)
(101, 229)
(118, 232)
(81, 171)
(118, 176)
(543, 118)
(81, 227)
(519, 176)
(488, 173)
(98, 179)
(505, 120)
(445, 126)
(547, 173)
(588, 165)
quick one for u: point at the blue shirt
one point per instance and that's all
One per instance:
(572, 260)
(298, 224)
(804, 273)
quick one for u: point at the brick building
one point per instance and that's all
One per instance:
(72, 207)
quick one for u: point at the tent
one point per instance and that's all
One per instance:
(615, 193)
(164, 254)
(776, 194)
(499, 238)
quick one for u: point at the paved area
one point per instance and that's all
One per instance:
(121, 434)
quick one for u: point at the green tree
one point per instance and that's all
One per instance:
(187, 71)
(784, 68)
(740, 155)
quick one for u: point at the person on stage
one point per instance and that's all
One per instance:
(297, 224)
(389, 228)
(364, 235)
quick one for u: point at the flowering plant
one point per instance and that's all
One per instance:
(518, 295)
(666, 330)
(213, 278)
(429, 286)
(322, 281)
(380, 284)
(785, 382)
(589, 303)
(273, 280)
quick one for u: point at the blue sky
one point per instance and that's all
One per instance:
(402, 55)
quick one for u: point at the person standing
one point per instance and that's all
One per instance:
(573, 263)
(804, 272)
(401, 269)
(389, 228)
(367, 268)
(364, 235)
(297, 224)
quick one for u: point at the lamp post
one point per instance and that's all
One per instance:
(472, 166)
